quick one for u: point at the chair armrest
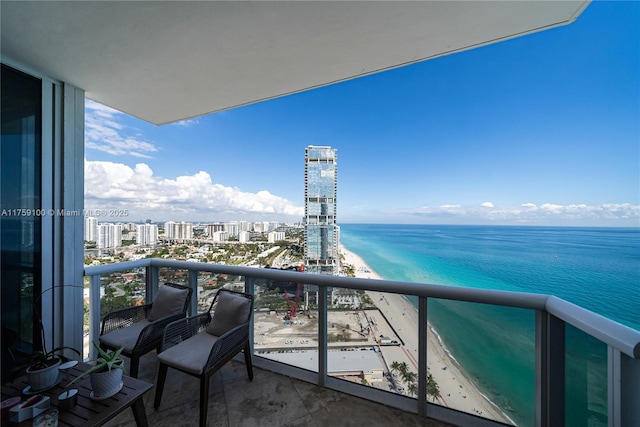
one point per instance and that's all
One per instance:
(227, 345)
(124, 317)
(152, 333)
(180, 330)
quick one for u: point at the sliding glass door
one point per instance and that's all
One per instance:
(21, 214)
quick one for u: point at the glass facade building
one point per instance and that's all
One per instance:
(322, 235)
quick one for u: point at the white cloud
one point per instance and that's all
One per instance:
(195, 197)
(186, 123)
(551, 207)
(103, 132)
(613, 214)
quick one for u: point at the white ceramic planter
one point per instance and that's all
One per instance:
(106, 384)
(42, 379)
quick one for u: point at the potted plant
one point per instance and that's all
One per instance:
(105, 375)
(43, 365)
(43, 370)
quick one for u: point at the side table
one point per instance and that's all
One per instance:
(88, 412)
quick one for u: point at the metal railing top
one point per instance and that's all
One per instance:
(621, 337)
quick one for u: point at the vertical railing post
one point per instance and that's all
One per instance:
(540, 369)
(623, 388)
(422, 356)
(614, 386)
(629, 390)
(550, 370)
(94, 314)
(322, 335)
(249, 285)
(193, 284)
(249, 288)
(151, 281)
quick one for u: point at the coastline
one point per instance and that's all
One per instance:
(457, 389)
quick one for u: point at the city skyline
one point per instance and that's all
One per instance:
(538, 130)
(111, 234)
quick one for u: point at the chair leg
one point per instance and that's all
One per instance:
(248, 361)
(135, 363)
(204, 399)
(162, 376)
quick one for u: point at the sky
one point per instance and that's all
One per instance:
(539, 130)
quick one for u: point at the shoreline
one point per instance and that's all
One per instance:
(457, 388)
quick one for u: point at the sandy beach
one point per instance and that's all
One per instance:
(457, 389)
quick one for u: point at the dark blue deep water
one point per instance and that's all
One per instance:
(596, 268)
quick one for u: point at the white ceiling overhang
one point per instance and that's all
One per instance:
(168, 61)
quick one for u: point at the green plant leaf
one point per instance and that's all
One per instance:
(108, 360)
(86, 373)
(52, 353)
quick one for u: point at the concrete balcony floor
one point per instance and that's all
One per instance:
(269, 400)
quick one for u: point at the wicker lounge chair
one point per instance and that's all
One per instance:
(139, 329)
(202, 344)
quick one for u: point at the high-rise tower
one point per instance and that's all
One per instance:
(91, 229)
(146, 234)
(321, 233)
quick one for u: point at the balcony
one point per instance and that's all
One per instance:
(346, 319)
(270, 399)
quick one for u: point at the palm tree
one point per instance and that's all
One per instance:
(433, 389)
(412, 388)
(399, 368)
(395, 366)
(404, 369)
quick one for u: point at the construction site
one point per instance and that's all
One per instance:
(357, 341)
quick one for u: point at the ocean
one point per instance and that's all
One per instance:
(596, 268)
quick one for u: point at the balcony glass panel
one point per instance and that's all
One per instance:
(122, 289)
(482, 358)
(209, 283)
(585, 380)
(173, 275)
(286, 323)
(364, 344)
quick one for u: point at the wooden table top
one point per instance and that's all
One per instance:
(87, 412)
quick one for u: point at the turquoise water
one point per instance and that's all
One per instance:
(596, 268)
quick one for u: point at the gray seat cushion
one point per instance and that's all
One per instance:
(190, 355)
(231, 310)
(169, 301)
(124, 337)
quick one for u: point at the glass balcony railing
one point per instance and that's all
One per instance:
(462, 356)
(488, 353)
(122, 289)
(585, 379)
(285, 329)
